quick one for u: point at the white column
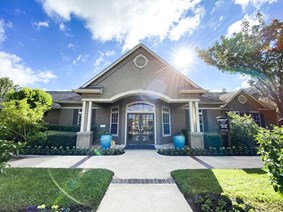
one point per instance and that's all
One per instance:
(197, 117)
(89, 114)
(191, 116)
(83, 117)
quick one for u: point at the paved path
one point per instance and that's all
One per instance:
(142, 180)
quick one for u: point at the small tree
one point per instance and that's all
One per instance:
(271, 150)
(22, 114)
(242, 130)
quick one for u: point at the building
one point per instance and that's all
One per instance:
(141, 99)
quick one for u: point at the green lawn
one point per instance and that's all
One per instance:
(74, 188)
(251, 186)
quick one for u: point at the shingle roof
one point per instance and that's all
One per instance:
(64, 96)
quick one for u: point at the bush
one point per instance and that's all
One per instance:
(212, 140)
(242, 130)
(40, 150)
(271, 150)
(63, 128)
(7, 149)
(60, 138)
(211, 151)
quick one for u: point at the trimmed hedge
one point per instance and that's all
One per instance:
(60, 138)
(63, 128)
(40, 150)
(212, 151)
(212, 140)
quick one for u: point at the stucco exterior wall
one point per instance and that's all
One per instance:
(156, 77)
(52, 117)
(66, 117)
(211, 123)
(269, 117)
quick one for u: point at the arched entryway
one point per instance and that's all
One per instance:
(141, 123)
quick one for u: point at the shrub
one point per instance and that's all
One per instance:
(271, 150)
(60, 138)
(212, 140)
(242, 130)
(63, 128)
(7, 149)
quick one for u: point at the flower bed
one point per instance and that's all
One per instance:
(39, 150)
(212, 151)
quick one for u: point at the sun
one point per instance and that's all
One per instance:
(183, 57)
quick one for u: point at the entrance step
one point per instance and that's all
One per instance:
(140, 146)
(143, 181)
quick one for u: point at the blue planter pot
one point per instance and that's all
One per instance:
(179, 141)
(105, 141)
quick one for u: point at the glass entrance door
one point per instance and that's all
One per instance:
(140, 128)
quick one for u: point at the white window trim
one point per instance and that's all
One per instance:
(200, 111)
(117, 120)
(166, 135)
(250, 112)
(79, 120)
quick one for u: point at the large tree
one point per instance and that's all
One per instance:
(6, 85)
(22, 112)
(256, 51)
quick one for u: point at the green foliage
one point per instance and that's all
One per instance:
(20, 121)
(210, 151)
(63, 128)
(21, 115)
(255, 51)
(7, 149)
(6, 86)
(242, 130)
(212, 140)
(53, 150)
(60, 138)
(271, 150)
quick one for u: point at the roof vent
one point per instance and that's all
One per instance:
(140, 61)
(242, 99)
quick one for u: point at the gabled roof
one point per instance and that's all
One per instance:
(64, 96)
(129, 53)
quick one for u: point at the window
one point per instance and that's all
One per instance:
(140, 107)
(114, 120)
(79, 121)
(166, 121)
(256, 117)
(201, 127)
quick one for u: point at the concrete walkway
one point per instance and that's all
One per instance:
(142, 177)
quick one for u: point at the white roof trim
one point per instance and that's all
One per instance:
(141, 92)
(126, 55)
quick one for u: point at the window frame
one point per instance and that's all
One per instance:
(111, 113)
(201, 123)
(169, 114)
(256, 112)
(79, 119)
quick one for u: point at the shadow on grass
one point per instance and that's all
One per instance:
(203, 192)
(254, 171)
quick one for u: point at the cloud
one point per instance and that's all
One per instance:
(255, 3)
(71, 46)
(129, 22)
(102, 61)
(80, 58)
(245, 81)
(62, 27)
(40, 24)
(237, 26)
(2, 31)
(12, 66)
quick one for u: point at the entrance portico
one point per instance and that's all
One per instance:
(149, 97)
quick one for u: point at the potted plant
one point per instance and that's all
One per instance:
(105, 138)
(179, 141)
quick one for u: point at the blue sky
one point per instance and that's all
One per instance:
(59, 45)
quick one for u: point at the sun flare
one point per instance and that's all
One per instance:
(183, 57)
